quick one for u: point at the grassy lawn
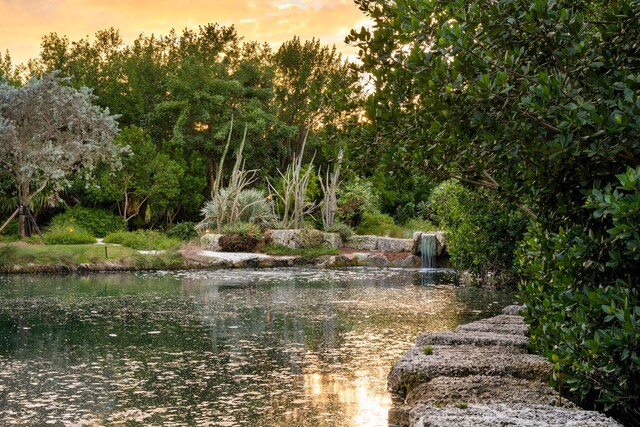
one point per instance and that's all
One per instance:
(21, 254)
(61, 254)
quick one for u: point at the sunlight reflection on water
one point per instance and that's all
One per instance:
(282, 347)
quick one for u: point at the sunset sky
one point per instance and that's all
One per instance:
(24, 22)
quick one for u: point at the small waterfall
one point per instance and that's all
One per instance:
(428, 250)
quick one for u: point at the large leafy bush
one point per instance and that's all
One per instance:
(378, 224)
(142, 240)
(483, 232)
(183, 231)
(583, 301)
(67, 235)
(97, 222)
(354, 199)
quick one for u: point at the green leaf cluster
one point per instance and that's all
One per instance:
(96, 222)
(482, 231)
(538, 102)
(142, 240)
(63, 234)
(583, 301)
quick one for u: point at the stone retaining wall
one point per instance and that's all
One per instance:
(297, 239)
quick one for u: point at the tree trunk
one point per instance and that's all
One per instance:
(24, 203)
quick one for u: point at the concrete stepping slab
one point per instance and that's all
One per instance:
(495, 328)
(472, 338)
(482, 389)
(416, 367)
(520, 415)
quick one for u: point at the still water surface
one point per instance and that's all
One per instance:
(290, 347)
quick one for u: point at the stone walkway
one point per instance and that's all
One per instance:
(480, 375)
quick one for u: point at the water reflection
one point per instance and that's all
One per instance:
(222, 348)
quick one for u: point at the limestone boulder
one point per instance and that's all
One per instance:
(507, 329)
(389, 244)
(332, 240)
(364, 243)
(210, 242)
(378, 243)
(377, 260)
(411, 261)
(306, 238)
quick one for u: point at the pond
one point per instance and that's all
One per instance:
(282, 347)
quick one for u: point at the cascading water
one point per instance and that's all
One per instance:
(428, 250)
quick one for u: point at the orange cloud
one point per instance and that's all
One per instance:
(23, 23)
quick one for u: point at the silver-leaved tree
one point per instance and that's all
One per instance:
(49, 131)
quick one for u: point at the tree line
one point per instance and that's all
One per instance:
(174, 98)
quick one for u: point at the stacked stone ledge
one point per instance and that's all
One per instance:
(480, 375)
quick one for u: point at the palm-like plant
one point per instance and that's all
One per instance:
(235, 202)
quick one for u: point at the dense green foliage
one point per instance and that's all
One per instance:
(377, 223)
(62, 234)
(142, 240)
(148, 181)
(584, 298)
(243, 229)
(539, 102)
(96, 222)
(183, 231)
(176, 94)
(487, 93)
(245, 206)
(354, 199)
(48, 132)
(482, 231)
(240, 237)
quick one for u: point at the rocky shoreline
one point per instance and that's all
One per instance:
(480, 375)
(204, 259)
(372, 251)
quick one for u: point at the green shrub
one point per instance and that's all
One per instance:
(583, 299)
(405, 212)
(142, 240)
(482, 231)
(67, 235)
(444, 207)
(240, 237)
(10, 232)
(379, 224)
(342, 229)
(96, 222)
(228, 207)
(243, 229)
(354, 200)
(419, 224)
(424, 211)
(183, 231)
